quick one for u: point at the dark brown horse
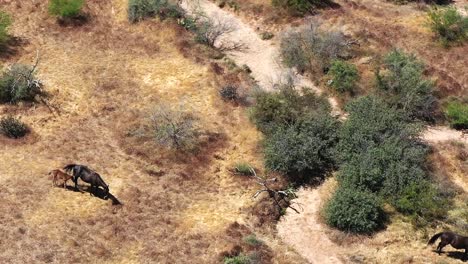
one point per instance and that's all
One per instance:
(87, 175)
(450, 238)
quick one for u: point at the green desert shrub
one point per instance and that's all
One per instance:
(18, 83)
(423, 203)
(344, 76)
(303, 149)
(65, 8)
(386, 168)
(457, 114)
(448, 24)
(285, 107)
(141, 9)
(402, 82)
(13, 128)
(353, 210)
(370, 122)
(239, 259)
(311, 49)
(5, 23)
(378, 149)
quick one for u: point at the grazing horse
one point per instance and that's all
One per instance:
(87, 175)
(60, 175)
(456, 241)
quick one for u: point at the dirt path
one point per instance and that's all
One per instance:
(261, 56)
(305, 233)
(439, 134)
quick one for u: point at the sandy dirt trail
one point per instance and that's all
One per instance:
(261, 56)
(304, 231)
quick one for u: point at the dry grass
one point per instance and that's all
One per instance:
(103, 78)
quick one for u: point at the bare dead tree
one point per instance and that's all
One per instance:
(278, 196)
(212, 32)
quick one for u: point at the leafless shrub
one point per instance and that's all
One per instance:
(175, 129)
(312, 48)
(212, 32)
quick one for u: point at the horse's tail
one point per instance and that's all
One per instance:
(434, 238)
(69, 167)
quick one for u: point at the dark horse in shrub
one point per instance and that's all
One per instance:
(87, 175)
(456, 241)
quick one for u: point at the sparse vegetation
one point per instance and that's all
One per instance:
(65, 8)
(5, 23)
(448, 24)
(312, 49)
(18, 83)
(209, 31)
(405, 87)
(141, 9)
(12, 127)
(355, 211)
(344, 76)
(174, 128)
(457, 114)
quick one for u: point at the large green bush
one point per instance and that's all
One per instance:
(12, 127)
(5, 22)
(386, 168)
(378, 149)
(353, 210)
(18, 83)
(304, 148)
(273, 110)
(344, 76)
(457, 114)
(65, 8)
(423, 203)
(141, 9)
(402, 81)
(312, 49)
(449, 25)
(370, 122)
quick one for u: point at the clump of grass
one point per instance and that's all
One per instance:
(239, 259)
(457, 114)
(5, 22)
(65, 8)
(243, 168)
(13, 128)
(266, 35)
(252, 240)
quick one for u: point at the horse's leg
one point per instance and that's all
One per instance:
(441, 245)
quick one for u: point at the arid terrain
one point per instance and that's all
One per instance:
(103, 80)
